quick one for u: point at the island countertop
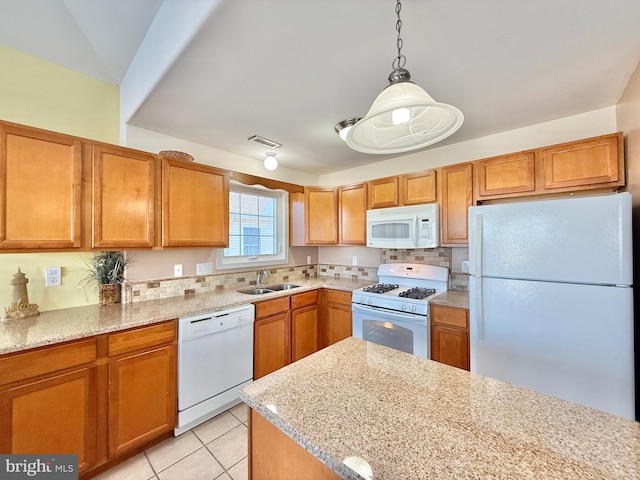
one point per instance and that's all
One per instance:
(411, 418)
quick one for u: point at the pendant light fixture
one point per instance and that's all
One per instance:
(403, 117)
(270, 161)
(343, 127)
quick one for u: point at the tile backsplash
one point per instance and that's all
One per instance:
(172, 287)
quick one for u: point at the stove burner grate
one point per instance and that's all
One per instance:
(380, 288)
(417, 293)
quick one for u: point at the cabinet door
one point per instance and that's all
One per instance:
(419, 187)
(384, 192)
(450, 335)
(195, 205)
(338, 322)
(272, 344)
(450, 345)
(40, 189)
(321, 215)
(296, 219)
(353, 214)
(506, 174)
(54, 415)
(593, 162)
(142, 397)
(456, 187)
(304, 332)
(123, 197)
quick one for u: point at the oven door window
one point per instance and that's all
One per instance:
(388, 334)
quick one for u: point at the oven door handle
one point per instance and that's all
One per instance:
(390, 314)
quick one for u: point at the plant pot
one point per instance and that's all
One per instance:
(109, 293)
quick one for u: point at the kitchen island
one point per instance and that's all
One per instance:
(360, 410)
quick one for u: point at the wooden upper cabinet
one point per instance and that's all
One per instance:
(352, 216)
(123, 197)
(296, 219)
(506, 174)
(40, 189)
(384, 192)
(457, 195)
(593, 162)
(321, 215)
(195, 205)
(419, 187)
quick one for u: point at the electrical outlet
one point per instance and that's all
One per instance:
(53, 277)
(464, 266)
(354, 260)
(204, 268)
(308, 259)
(177, 270)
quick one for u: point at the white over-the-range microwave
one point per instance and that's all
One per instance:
(415, 226)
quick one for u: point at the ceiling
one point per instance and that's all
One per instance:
(218, 71)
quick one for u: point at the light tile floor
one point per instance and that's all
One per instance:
(214, 450)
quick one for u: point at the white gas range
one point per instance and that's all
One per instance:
(395, 312)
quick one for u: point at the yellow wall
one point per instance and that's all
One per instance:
(45, 95)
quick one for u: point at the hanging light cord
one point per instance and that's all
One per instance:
(400, 60)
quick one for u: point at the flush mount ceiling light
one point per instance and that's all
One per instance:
(343, 127)
(403, 117)
(270, 161)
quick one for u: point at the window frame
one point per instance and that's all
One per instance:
(282, 231)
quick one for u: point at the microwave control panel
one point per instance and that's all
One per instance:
(426, 229)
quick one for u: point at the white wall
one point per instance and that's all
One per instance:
(589, 124)
(155, 142)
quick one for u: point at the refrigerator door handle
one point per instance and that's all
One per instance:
(477, 246)
(478, 310)
(478, 274)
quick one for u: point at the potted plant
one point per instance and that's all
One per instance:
(106, 270)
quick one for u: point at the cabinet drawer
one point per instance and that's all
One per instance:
(29, 364)
(455, 317)
(301, 299)
(143, 337)
(271, 307)
(339, 296)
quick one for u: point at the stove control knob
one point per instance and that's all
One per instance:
(404, 306)
(413, 308)
(370, 301)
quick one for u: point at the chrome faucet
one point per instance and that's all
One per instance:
(260, 275)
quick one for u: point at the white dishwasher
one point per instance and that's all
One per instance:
(215, 359)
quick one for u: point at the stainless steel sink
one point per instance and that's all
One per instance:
(256, 291)
(282, 286)
(269, 289)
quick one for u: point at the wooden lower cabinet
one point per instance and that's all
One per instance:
(337, 316)
(271, 343)
(52, 415)
(286, 329)
(100, 397)
(142, 393)
(305, 331)
(273, 455)
(450, 335)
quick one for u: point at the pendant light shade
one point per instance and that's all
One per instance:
(403, 118)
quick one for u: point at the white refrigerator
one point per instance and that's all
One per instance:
(551, 298)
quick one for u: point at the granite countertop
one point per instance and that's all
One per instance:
(408, 417)
(58, 326)
(452, 298)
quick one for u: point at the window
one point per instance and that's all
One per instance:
(257, 228)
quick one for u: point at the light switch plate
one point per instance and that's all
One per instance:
(354, 260)
(177, 270)
(308, 259)
(53, 277)
(204, 268)
(465, 266)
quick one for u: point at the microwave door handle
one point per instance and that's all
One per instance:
(416, 230)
